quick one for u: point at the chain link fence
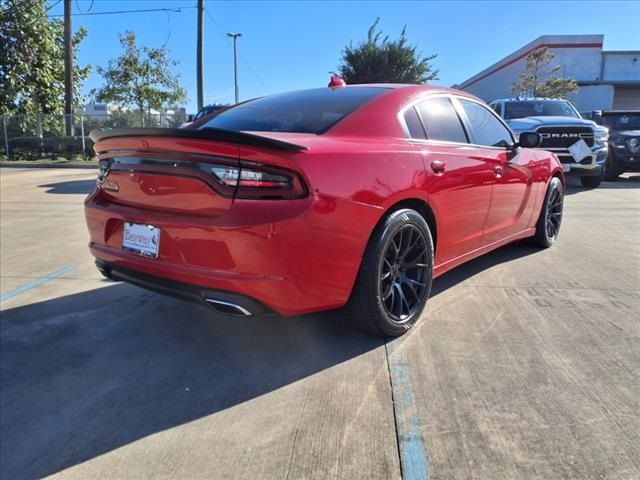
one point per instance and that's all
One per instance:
(38, 137)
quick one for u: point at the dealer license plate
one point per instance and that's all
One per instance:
(141, 239)
(566, 167)
(580, 150)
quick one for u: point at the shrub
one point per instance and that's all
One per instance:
(33, 148)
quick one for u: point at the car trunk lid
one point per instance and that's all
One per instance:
(176, 170)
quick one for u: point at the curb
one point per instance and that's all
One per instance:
(88, 165)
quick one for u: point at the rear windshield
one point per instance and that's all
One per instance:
(545, 108)
(305, 111)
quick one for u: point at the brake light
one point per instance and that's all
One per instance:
(260, 181)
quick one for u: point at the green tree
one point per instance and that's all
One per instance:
(538, 79)
(32, 59)
(380, 60)
(558, 87)
(141, 78)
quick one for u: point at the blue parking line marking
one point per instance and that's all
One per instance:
(413, 455)
(36, 283)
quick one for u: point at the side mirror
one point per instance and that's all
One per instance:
(529, 139)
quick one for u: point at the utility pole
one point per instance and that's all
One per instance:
(235, 63)
(68, 69)
(199, 55)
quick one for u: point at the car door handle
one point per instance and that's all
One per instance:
(437, 166)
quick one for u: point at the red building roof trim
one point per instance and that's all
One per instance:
(523, 55)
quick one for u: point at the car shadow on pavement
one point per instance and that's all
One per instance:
(73, 187)
(469, 269)
(87, 373)
(84, 374)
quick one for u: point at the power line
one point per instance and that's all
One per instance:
(169, 32)
(254, 73)
(84, 11)
(239, 54)
(215, 23)
(51, 6)
(224, 94)
(116, 12)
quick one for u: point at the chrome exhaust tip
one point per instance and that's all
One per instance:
(104, 270)
(227, 308)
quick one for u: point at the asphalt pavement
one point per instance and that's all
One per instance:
(526, 363)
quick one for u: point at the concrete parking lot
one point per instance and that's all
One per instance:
(526, 364)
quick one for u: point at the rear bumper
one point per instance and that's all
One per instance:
(292, 257)
(237, 304)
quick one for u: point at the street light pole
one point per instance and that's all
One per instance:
(235, 62)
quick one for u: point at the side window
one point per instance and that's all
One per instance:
(496, 108)
(486, 129)
(414, 125)
(441, 120)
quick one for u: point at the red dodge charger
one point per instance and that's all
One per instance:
(349, 196)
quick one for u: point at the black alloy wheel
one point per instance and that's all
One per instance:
(394, 280)
(550, 219)
(554, 213)
(404, 273)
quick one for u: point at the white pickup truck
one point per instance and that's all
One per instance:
(580, 144)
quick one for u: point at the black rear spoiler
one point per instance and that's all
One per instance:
(216, 134)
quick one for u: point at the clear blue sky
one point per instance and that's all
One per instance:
(294, 44)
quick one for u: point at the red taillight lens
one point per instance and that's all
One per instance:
(260, 181)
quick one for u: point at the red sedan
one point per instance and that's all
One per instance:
(353, 196)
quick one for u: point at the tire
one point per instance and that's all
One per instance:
(591, 182)
(612, 169)
(394, 280)
(550, 219)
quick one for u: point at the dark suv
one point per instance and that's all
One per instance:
(624, 140)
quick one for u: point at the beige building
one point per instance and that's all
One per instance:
(607, 79)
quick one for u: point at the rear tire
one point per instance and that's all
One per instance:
(394, 280)
(550, 219)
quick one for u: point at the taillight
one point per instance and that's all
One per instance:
(260, 181)
(232, 179)
(103, 169)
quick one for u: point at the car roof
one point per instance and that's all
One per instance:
(378, 116)
(390, 101)
(408, 90)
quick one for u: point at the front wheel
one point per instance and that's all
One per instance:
(612, 169)
(550, 219)
(591, 182)
(394, 280)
